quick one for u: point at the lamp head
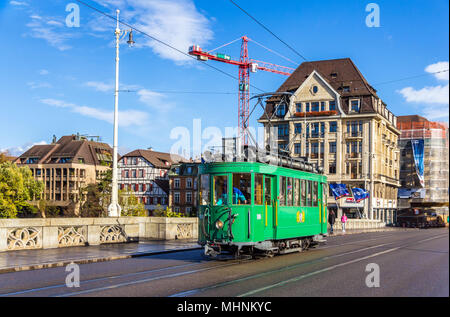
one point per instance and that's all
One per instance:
(130, 38)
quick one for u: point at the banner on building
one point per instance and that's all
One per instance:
(360, 194)
(418, 147)
(339, 190)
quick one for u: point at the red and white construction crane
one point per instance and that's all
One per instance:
(246, 65)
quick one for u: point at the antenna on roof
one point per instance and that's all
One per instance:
(54, 139)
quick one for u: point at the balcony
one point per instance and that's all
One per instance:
(353, 135)
(315, 135)
(353, 156)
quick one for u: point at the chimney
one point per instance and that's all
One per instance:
(150, 148)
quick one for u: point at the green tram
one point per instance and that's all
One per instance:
(258, 208)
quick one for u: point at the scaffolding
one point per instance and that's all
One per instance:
(433, 193)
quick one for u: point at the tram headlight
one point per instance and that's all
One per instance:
(219, 224)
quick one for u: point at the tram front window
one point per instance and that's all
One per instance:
(220, 190)
(242, 189)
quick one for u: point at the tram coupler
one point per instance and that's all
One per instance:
(211, 250)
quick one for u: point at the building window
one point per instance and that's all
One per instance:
(322, 106)
(188, 182)
(176, 198)
(298, 128)
(354, 106)
(307, 107)
(281, 110)
(298, 148)
(189, 197)
(176, 183)
(315, 107)
(346, 88)
(314, 150)
(332, 147)
(298, 107)
(333, 105)
(141, 187)
(332, 168)
(133, 173)
(127, 173)
(333, 126)
(283, 130)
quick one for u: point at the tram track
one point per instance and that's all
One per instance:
(119, 281)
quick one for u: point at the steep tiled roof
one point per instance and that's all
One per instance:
(411, 118)
(157, 159)
(163, 184)
(339, 73)
(71, 147)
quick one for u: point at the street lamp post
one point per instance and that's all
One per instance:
(114, 209)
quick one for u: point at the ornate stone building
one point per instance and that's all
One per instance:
(67, 165)
(336, 120)
(145, 173)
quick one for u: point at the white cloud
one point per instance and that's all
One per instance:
(43, 72)
(434, 99)
(35, 85)
(439, 69)
(176, 22)
(18, 3)
(153, 99)
(100, 86)
(51, 30)
(126, 117)
(18, 150)
(434, 94)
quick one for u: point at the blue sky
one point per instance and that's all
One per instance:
(57, 80)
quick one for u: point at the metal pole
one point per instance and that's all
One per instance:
(114, 209)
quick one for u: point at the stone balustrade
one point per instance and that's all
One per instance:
(19, 234)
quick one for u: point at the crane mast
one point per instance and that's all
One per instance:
(246, 65)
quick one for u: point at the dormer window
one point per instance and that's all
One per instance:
(354, 105)
(346, 89)
(333, 75)
(281, 110)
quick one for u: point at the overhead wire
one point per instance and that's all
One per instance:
(160, 41)
(268, 30)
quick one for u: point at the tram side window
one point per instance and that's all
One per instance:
(297, 192)
(204, 190)
(308, 194)
(290, 191)
(267, 190)
(303, 193)
(258, 189)
(314, 194)
(242, 189)
(220, 190)
(324, 194)
(282, 191)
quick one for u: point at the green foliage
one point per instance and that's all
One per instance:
(159, 212)
(17, 189)
(131, 205)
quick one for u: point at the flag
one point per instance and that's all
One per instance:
(339, 190)
(418, 152)
(360, 194)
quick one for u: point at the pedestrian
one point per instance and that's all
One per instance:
(344, 221)
(331, 219)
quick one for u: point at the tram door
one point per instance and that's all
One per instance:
(324, 210)
(269, 206)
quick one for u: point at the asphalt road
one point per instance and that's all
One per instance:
(410, 262)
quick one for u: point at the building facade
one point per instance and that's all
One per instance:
(335, 119)
(433, 192)
(183, 188)
(145, 174)
(66, 166)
